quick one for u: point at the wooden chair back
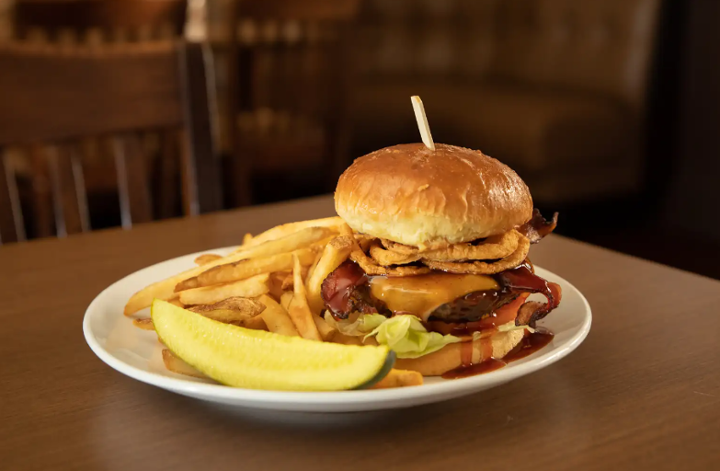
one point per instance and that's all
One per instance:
(141, 19)
(51, 98)
(287, 81)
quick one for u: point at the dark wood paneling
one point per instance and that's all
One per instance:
(313, 10)
(287, 94)
(107, 15)
(94, 92)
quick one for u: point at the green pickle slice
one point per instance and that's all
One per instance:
(257, 359)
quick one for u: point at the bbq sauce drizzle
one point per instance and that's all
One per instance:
(523, 279)
(531, 343)
(349, 291)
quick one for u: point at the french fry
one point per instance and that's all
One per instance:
(312, 266)
(256, 323)
(248, 306)
(277, 280)
(284, 230)
(285, 299)
(303, 237)
(327, 332)
(246, 239)
(287, 282)
(206, 258)
(369, 341)
(231, 310)
(299, 311)
(176, 365)
(346, 231)
(364, 241)
(287, 243)
(335, 253)
(276, 317)
(176, 302)
(320, 245)
(249, 288)
(352, 340)
(144, 323)
(165, 289)
(399, 379)
(346, 339)
(247, 268)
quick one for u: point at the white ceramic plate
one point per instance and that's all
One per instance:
(137, 353)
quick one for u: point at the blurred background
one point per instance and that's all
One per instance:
(608, 109)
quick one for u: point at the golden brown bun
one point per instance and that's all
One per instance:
(412, 195)
(449, 357)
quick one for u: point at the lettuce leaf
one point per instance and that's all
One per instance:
(408, 338)
(357, 324)
(404, 334)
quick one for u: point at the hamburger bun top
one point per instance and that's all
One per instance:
(415, 196)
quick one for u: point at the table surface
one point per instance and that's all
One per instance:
(642, 392)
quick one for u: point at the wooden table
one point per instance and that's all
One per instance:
(642, 392)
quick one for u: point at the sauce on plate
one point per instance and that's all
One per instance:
(528, 345)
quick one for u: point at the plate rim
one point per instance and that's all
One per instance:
(222, 392)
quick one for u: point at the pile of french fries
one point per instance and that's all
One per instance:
(271, 282)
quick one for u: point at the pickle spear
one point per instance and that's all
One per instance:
(257, 359)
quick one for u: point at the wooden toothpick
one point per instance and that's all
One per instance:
(422, 122)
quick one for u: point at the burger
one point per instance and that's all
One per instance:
(439, 267)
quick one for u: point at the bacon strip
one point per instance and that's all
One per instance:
(537, 227)
(521, 279)
(346, 290)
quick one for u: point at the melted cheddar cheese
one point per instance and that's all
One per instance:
(421, 295)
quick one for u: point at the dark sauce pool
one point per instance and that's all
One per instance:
(528, 345)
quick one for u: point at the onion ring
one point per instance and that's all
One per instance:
(494, 247)
(484, 268)
(372, 268)
(386, 257)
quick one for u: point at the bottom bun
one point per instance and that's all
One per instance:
(450, 357)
